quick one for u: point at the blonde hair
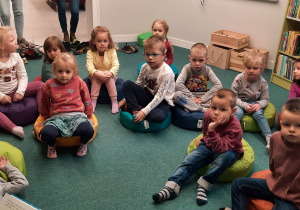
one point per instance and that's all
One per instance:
(166, 27)
(95, 31)
(227, 94)
(199, 48)
(3, 32)
(65, 58)
(154, 41)
(48, 45)
(254, 57)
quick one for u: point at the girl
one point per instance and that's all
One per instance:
(52, 47)
(295, 87)
(102, 64)
(14, 84)
(161, 28)
(253, 92)
(66, 106)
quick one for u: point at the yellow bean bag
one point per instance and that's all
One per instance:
(65, 141)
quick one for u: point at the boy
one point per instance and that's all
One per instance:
(191, 86)
(151, 96)
(221, 145)
(18, 180)
(282, 185)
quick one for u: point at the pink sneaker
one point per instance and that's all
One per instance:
(51, 152)
(82, 150)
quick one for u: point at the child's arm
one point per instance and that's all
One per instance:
(215, 82)
(5, 100)
(45, 101)
(170, 56)
(264, 96)
(90, 63)
(22, 79)
(85, 96)
(181, 80)
(235, 87)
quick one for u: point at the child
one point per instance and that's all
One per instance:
(161, 28)
(66, 106)
(282, 185)
(253, 92)
(102, 64)
(151, 96)
(52, 47)
(18, 181)
(14, 84)
(295, 87)
(221, 145)
(191, 86)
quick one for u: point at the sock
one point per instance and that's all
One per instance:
(268, 141)
(165, 194)
(201, 196)
(18, 131)
(94, 103)
(114, 106)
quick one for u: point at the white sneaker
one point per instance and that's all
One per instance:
(268, 137)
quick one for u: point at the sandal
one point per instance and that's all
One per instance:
(134, 49)
(126, 49)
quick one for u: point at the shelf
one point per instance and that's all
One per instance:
(292, 18)
(281, 81)
(292, 56)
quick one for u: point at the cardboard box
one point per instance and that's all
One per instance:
(237, 58)
(230, 39)
(218, 56)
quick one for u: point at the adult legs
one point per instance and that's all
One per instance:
(61, 7)
(5, 12)
(74, 4)
(17, 6)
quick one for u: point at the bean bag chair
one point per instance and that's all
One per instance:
(15, 157)
(278, 121)
(240, 168)
(258, 204)
(21, 113)
(175, 70)
(126, 120)
(190, 121)
(142, 37)
(250, 125)
(64, 141)
(103, 97)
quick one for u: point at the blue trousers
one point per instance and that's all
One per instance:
(244, 187)
(61, 7)
(200, 157)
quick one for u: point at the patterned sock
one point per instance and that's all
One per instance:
(18, 131)
(165, 194)
(114, 106)
(94, 103)
(201, 196)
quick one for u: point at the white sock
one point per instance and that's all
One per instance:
(18, 131)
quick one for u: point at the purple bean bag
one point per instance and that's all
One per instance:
(21, 113)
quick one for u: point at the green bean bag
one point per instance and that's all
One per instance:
(15, 157)
(250, 125)
(142, 37)
(240, 168)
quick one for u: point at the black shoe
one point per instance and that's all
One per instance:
(32, 55)
(82, 48)
(67, 46)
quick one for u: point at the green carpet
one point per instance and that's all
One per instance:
(123, 168)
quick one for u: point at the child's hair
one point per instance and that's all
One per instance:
(292, 105)
(3, 31)
(95, 31)
(65, 58)
(166, 27)
(48, 45)
(254, 57)
(155, 41)
(199, 48)
(228, 94)
(295, 80)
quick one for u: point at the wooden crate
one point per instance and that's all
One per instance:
(218, 56)
(237, 58)
(230, 39)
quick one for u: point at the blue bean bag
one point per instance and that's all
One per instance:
(185, 120)
(21, 113)
(175, 70)
(144, 126)
(103, 95)
(142, 37)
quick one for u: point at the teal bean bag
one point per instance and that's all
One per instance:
(15, 157)
(175, 70)
(144, 126)
(250, 125)
(142, 37)
(240, 168)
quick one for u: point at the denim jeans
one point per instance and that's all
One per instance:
(74, 7)
(259, 118)
(245, 187)
(200, 157)
(17, 7)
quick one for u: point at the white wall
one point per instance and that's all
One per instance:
(190, 22)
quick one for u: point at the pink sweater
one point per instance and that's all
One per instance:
(294, 91)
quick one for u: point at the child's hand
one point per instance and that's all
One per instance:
(198, 141)
(18, 97)
(139, 117)
(249, 108)
(197, 100)
(108, 74)
(6, 100)
(212, 126)
(256, 107)
(3, 161)
(122, 103)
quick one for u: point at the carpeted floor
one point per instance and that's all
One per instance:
(123, 168)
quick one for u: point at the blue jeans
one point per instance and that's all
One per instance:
(245, 187)
(17, 7)
(200, 157)
(74, 7)
(259, 118)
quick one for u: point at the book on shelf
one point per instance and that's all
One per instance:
(284, 66)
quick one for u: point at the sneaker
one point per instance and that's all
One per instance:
(82, 150)
(81, 48)
(32, 55)
(51, 152)
(72, 37)
(22, 41)
(268, 137)
(126, 48)
(67, 46)
(74, 44)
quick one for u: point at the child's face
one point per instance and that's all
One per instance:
(197, 60)
(220, 109)
(154, 57)
(158, 30)
(53, 52)
(101, 42)
(297, 70)
(290, 126)
(253, 72)
(10, 44)
(63, 72)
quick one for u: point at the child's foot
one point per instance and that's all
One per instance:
(114, 106)
(18, 131)
(51, 152)
(94, 103)
(201, 196)
(82, 150)
(268, 141)
(165, 194)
